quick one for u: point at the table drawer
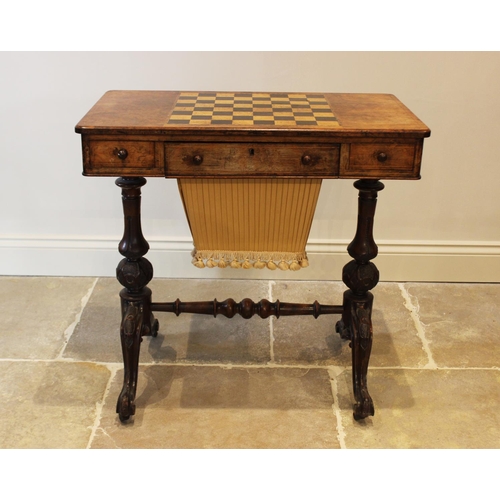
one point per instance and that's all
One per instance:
(382, 160)
(121, 157)
(251, 159)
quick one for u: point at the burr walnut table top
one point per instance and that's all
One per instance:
(251, 134)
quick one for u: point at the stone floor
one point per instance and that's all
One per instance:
(218, 383)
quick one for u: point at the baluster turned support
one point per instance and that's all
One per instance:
(361, 275)
(134, 272)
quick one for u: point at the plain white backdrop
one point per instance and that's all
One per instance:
(53, 221)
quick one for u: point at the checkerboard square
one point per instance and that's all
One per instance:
(247, 109)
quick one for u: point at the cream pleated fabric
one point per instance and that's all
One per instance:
(245, 223)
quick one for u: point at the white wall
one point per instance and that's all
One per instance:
(445, 227)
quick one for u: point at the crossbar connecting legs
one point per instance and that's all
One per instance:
(361, 275)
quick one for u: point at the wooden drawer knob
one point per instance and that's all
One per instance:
(307, 160)
(197, 159)
(121, 153)
(381, 157)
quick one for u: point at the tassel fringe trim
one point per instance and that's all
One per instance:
(248, 260)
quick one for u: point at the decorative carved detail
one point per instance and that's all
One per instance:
(134, 274)
(360, 278)
(362, 334)
(364, 325)
(247, 308)
(132, 323)
(131, 335)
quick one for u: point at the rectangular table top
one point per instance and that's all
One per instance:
(243, 113)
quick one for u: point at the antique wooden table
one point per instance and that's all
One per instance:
(243, 135)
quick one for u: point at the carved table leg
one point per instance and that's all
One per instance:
(134, 272)
(361, 275)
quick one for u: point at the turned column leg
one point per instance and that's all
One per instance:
(134, 272)
(360, 275)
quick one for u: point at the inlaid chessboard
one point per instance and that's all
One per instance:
(252, 108)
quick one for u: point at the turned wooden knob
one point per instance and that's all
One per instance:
(122, 153)
(307, 160)
(381, 157)
(197, 159)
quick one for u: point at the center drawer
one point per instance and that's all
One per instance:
(188, 159)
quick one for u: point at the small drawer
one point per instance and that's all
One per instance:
(251, 159)
(121, 157)
(381, 160)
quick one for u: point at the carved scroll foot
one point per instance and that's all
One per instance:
(125, 407)
(133, 327)
(363, 407)
(356, 322)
